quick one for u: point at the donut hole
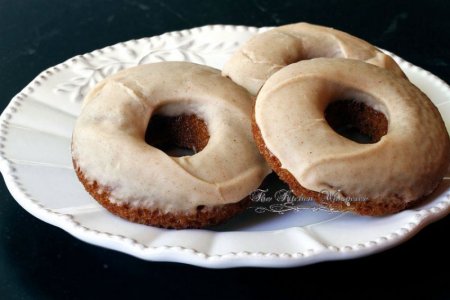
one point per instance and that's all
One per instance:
(356, 121)
(182, 135)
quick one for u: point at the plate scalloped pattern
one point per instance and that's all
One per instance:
(41, 117)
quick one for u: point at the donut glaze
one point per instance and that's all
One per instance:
(268, 52)
(406, 163)
(111, 156)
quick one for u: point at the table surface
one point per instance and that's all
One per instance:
(39, 261)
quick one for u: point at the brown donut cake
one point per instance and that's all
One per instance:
(115, 154)
(405, 160)
(266, 53)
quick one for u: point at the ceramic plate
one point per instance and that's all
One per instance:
(36, 129)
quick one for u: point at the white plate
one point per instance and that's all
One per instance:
(36, 129)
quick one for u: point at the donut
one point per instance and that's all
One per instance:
(123, 119)
(405, 159)
(270, 51)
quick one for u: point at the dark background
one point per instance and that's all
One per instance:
(39, 261)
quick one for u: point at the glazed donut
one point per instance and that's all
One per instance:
(405, 161)
(268, 52)
(139, 182)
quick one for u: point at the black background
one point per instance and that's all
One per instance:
(39, 261)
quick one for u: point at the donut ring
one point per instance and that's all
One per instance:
(142, 183)
(268, 52)
(391, 174)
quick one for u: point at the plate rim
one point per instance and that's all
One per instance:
(189, 255)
